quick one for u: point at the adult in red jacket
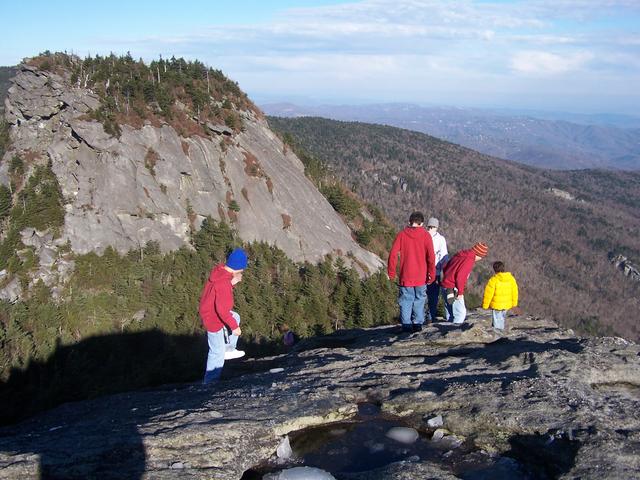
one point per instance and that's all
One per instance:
(218, 318)
(454, 279)
(417, 269)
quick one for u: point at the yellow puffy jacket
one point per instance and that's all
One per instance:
(501, 292)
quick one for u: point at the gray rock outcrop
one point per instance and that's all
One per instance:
(10, 289)
(623, 264)
(533, 403)
(54, 269)
(152, 184)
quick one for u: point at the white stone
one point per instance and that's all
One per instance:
(439, 434)
(300, 473)
(284, 449)
(403, 435)
(435, 421)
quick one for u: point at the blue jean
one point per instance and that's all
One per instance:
(433, 295)
(499, 318)
(217, 347)
(411, 301)
(457, 310)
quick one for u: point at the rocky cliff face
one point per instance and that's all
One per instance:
(534, 403)
(152, 184)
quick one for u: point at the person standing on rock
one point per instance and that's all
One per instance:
(219, 320)
(454, 279)
(441, 253)
(500, 295)
(417, 270)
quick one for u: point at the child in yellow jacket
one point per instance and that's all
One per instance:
(500, 295)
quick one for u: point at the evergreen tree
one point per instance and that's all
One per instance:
(5, 202)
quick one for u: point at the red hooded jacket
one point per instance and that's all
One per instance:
(417, 259)
(457, 270)
(216, 300)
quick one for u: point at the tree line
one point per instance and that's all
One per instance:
(182, 93)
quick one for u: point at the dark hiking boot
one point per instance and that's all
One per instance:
(417, 327)
(407, 328)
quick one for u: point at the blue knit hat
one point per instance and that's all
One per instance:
(237, 260)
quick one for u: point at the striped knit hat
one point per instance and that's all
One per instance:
(480, 249)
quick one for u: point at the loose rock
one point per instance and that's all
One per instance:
(300, 473)
(435, 421)
(403, 435)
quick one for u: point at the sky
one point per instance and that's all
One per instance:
(578, 56)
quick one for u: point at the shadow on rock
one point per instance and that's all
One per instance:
(439, 386)
(544, 456)
(101, 365)
(499, 351)
(112, 447)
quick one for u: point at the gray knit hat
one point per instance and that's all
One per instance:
(433, 222)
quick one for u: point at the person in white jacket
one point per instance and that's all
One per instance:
(442, 255)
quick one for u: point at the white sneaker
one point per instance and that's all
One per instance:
(231, 354)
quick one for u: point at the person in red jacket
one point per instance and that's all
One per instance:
(218, 318)
(417, 269)
(454, 279)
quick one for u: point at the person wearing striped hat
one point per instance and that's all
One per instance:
(454, 279)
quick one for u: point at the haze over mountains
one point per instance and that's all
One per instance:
(546, 140)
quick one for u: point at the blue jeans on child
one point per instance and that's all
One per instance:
(499, 318)
(457, 310)
(411, 301)
(217, 347)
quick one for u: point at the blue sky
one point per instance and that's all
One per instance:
(572, 55)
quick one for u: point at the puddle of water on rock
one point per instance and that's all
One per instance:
(357, 446)
(362, 445)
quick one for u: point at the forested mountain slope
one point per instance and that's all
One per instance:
(537, 139)
(556, 231)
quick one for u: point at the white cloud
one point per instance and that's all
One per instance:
(399, 27)
(343, 66)
(539, 63)
(413, 47)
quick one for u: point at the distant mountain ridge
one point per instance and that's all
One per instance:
(545, 143)
(555, 230)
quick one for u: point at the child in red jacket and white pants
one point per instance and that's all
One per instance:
(454, 279)
(218, 318)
